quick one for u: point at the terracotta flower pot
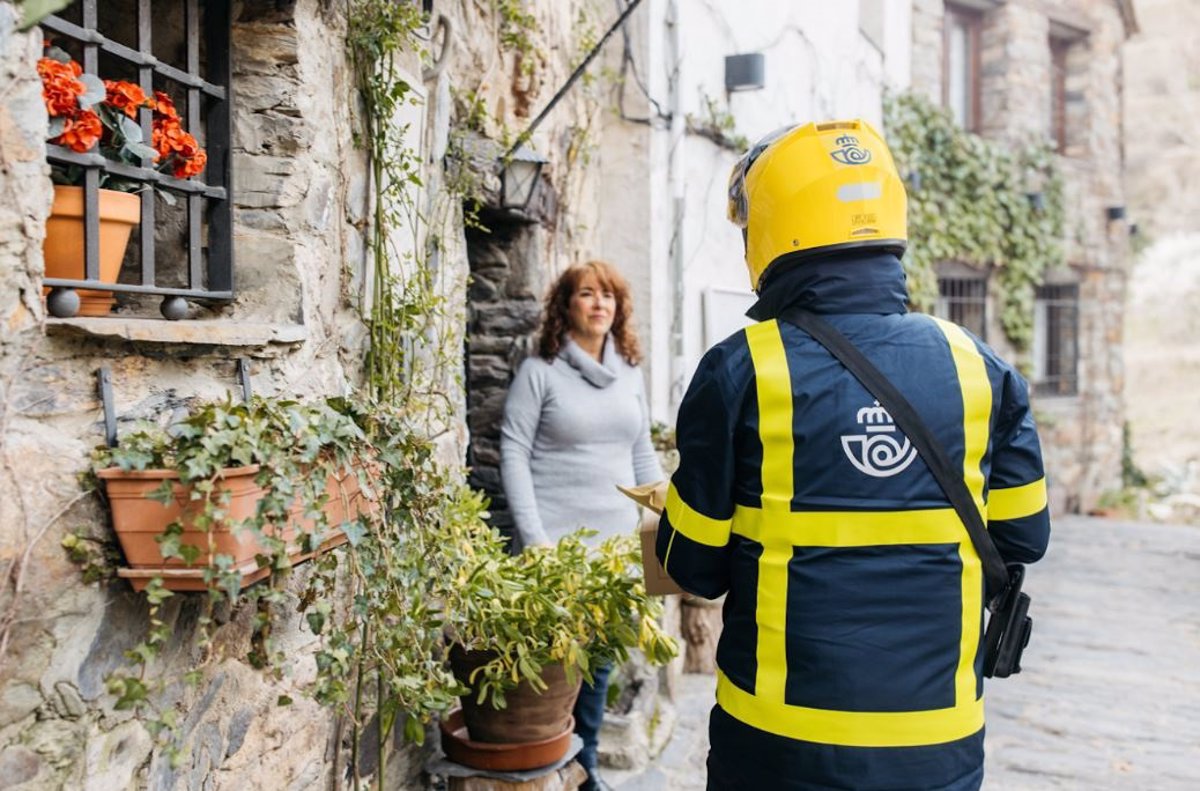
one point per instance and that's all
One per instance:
(138, 520)
(508, 757)
(347, 501)
(64, 246)
(529, 717)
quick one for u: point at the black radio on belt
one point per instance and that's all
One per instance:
(1008, 629)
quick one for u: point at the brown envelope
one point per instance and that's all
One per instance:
(653, 498)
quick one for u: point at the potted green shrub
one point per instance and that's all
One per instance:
(525, 630)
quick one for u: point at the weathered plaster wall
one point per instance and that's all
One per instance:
(667, 186)
(1082, 434)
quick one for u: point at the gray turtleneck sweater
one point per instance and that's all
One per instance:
(573, 430)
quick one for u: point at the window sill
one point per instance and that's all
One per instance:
(217, 333)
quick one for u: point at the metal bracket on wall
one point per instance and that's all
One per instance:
(104, 386)
(243, 372)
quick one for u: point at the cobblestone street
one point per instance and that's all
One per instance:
(1109, 697)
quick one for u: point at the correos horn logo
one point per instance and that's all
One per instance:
(849, 152)
(882, 451)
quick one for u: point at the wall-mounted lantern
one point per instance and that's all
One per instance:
(519, 177)
(745, 72)
(1115, 213)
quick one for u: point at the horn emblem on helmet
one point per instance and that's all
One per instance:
(850, 152)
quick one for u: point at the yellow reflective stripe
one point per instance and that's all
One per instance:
(850, 728)
(966, 683)
(977, 416)
(977, 405)
(667, 554)
(774, 386)
(693, 524)
(774, 392)
(1017, 501)
(849, 528)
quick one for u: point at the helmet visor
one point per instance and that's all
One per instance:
(738, 209)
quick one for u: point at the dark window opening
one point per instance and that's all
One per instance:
(964, 301)
(1056, 340)
(182, 244)
(1058, 92)
(960, 65)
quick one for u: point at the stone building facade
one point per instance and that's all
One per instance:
(301, 187)
(1053, 70)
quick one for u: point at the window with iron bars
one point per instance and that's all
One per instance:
(183, 246)
(963, 300)
(1056, 340)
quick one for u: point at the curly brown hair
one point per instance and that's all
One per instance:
(555, 312)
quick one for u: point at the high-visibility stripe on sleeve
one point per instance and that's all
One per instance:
(1017, 502)
(695, 525)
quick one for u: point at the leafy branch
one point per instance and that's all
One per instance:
(977, 202)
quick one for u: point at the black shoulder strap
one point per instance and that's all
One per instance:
(932, 452)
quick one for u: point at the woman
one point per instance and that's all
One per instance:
(576, 424)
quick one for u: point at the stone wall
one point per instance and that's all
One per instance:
(1082, 434)
(300, 218)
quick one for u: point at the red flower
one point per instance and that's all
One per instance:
(61, 86)
(81, 132)
(163, 105)
(169, 140)
(186, 168)
(126, 97)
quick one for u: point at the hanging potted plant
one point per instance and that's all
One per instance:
(526, 630)
(86, 114)
(235, 491)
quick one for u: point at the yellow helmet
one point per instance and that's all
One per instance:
(804, 190)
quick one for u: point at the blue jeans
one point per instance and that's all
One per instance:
(589, 714)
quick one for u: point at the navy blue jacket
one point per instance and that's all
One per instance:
(850, 655)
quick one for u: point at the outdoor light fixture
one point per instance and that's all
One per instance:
(519, 177)
(745, 72)
(1115, 212)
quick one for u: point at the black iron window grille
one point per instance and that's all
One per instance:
(1056, 340)
(963, 300)
(193, 68)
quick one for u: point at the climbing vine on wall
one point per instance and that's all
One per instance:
(978, 201)
(402, 294)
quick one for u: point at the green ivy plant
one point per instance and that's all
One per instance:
(34, 11)
(517, 26)
(973, 205)
(297, 447)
